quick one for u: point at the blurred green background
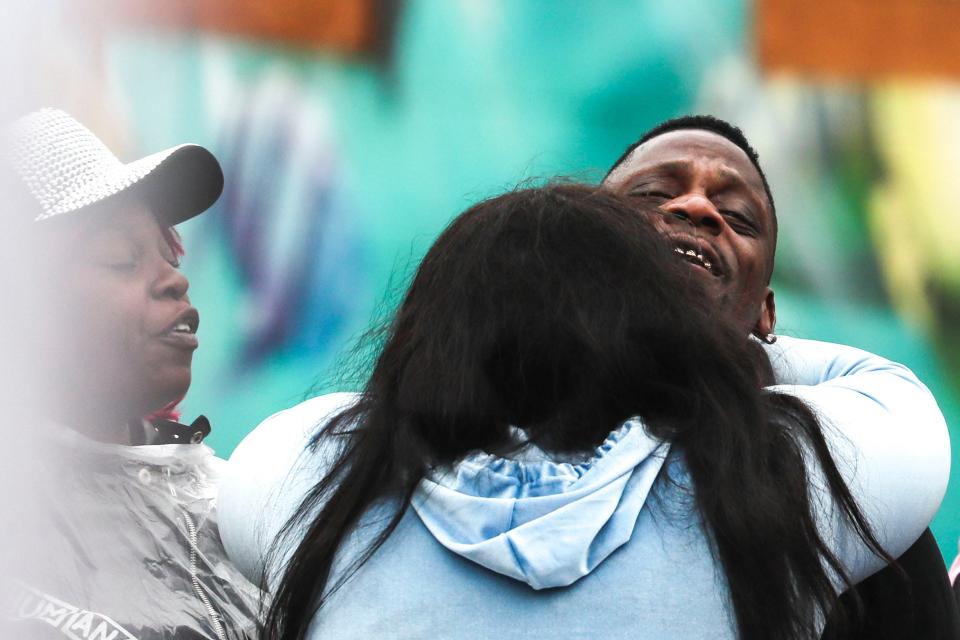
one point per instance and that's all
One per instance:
(342, 168)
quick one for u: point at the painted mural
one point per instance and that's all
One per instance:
(341, 169)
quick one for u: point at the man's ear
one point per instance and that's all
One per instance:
(768, 316)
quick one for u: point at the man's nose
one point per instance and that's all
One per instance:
(697, 210)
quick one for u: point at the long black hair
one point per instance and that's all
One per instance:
(561, 311)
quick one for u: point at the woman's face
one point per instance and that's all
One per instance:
(124, 329)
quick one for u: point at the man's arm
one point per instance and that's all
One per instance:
(887, 436)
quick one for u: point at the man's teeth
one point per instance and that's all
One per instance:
(182, 327)
(693, 254)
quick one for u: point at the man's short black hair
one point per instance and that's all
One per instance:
(714, 125)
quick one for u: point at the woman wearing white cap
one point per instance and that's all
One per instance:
(127, 539)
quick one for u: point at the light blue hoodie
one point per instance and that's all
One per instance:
(543, 522)
(605, 546)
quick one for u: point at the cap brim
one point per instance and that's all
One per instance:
(185, 182)
(177, 184)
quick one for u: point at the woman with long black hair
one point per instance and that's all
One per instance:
(559, 438)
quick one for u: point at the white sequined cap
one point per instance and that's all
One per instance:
(66, 168)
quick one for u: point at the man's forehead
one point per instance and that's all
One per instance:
(683, 146)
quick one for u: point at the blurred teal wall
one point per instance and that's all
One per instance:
(341, 172)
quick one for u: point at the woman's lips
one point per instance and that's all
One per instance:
(182, 332)
(180, 340)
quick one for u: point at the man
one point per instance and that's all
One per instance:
(718, 211)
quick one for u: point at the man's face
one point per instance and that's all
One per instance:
(715, 213)
(123, 323)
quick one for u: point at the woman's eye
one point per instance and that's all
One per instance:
(121, 263)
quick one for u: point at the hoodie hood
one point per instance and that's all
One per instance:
(541, 521)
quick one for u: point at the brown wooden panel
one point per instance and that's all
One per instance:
(860, 39)
(349, 26)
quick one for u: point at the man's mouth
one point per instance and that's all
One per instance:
(696, 256)
(692, 256)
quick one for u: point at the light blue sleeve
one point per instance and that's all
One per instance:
(887, 436)
(266, 479)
